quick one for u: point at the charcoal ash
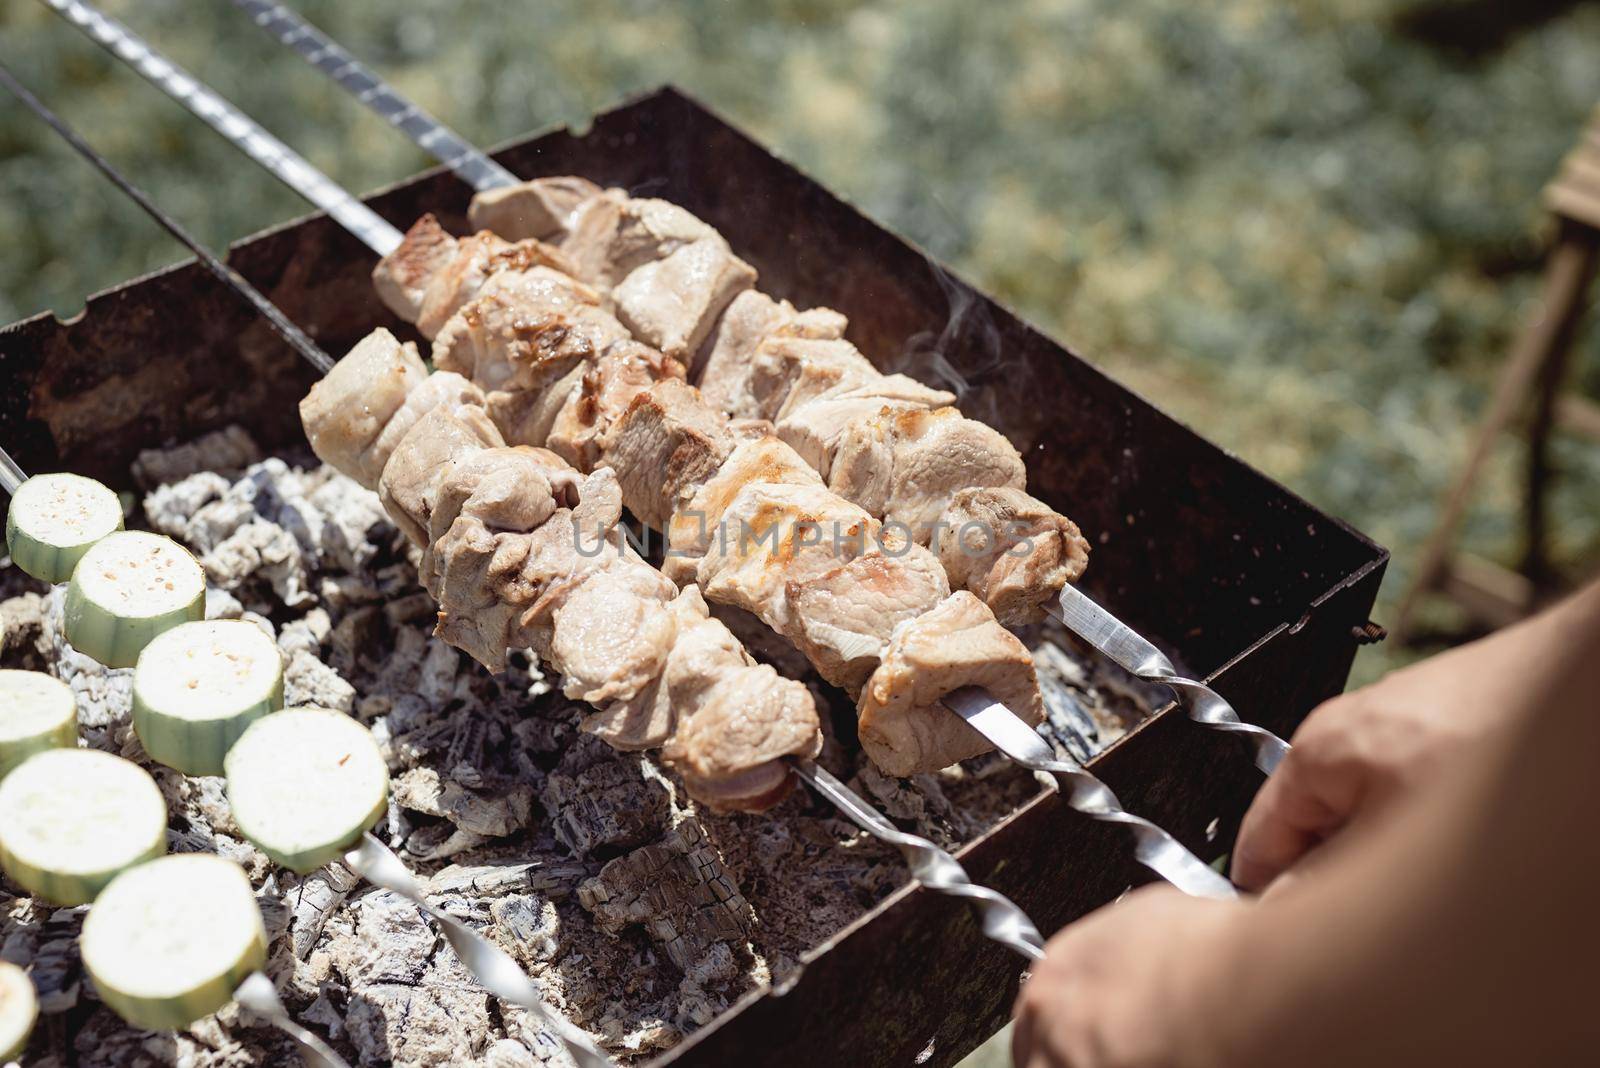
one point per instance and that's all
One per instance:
(640, 915)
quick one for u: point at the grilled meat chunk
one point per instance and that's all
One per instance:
(669, 274)
(726, 360)
(439, 390)
(542, 208)
(695, 526)
(665, 444)
(905, 464)
(736, 726)
(903, 727)
(441, 439)
(402, 277)
(844, 618)
(345, 413)
(1012, 550)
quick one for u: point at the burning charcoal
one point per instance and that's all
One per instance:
(531, 925)
(55, 968)
(412, 608)
(407, 1004)
(228, 449)
(602, 802)
(437, 678)
(352, 525)
(261, 548)
(170, 508)
(305, 634)
(509, 1053)
(1063, 681)
(490, 814)
(553, 879)
(308, 681)
(678, 890)
(358, 637)
(22, 630)
(321, 892)
(440, 841)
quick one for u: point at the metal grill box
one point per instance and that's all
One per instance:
(1251, 587)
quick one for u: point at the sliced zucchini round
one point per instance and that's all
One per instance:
(198, 686)
(128, 588)
(37, 712)
(306, 783)
(19, 1008)
(54, 519)
(74, 818)
(168, 942)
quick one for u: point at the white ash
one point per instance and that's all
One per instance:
(229, 449)
(640, 916)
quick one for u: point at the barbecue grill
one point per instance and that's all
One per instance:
(1246, 584)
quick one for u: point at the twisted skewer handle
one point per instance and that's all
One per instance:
(491, 965)
(931, 866)
(1083, 792)
(246, 134)
(1133, 653)
(428, 133)
(11, 476)
(258, 995)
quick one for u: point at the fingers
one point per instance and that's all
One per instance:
(1294, 813)
(1089, 1002)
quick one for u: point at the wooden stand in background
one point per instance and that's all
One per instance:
(1493, 595)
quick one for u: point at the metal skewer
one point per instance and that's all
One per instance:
(1080, 614)
(11, 476)
(1001, 919)
(1082, 790)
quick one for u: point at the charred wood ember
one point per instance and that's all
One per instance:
(678, 890)
(602, 803)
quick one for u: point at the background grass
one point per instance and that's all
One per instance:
(1307, 227)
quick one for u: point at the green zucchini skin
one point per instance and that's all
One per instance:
(198, 746)
(49, 560)
(18, 745)
(16, 991)
(114, 639)
(178, 897)
(72, 769)
(271, 775)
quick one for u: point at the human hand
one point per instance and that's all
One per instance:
(1358, 752)
(1127, 986)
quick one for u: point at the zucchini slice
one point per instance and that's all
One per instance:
(169, 941)
(37, 712)
(19, 1008)
(129, 587)
(305, 784)
(53, 521)
(198, 686)
(74, 818)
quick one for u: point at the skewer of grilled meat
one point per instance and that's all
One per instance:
(522, 551)
(746, 518)
(883, 441)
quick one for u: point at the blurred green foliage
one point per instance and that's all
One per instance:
(1307, 227)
